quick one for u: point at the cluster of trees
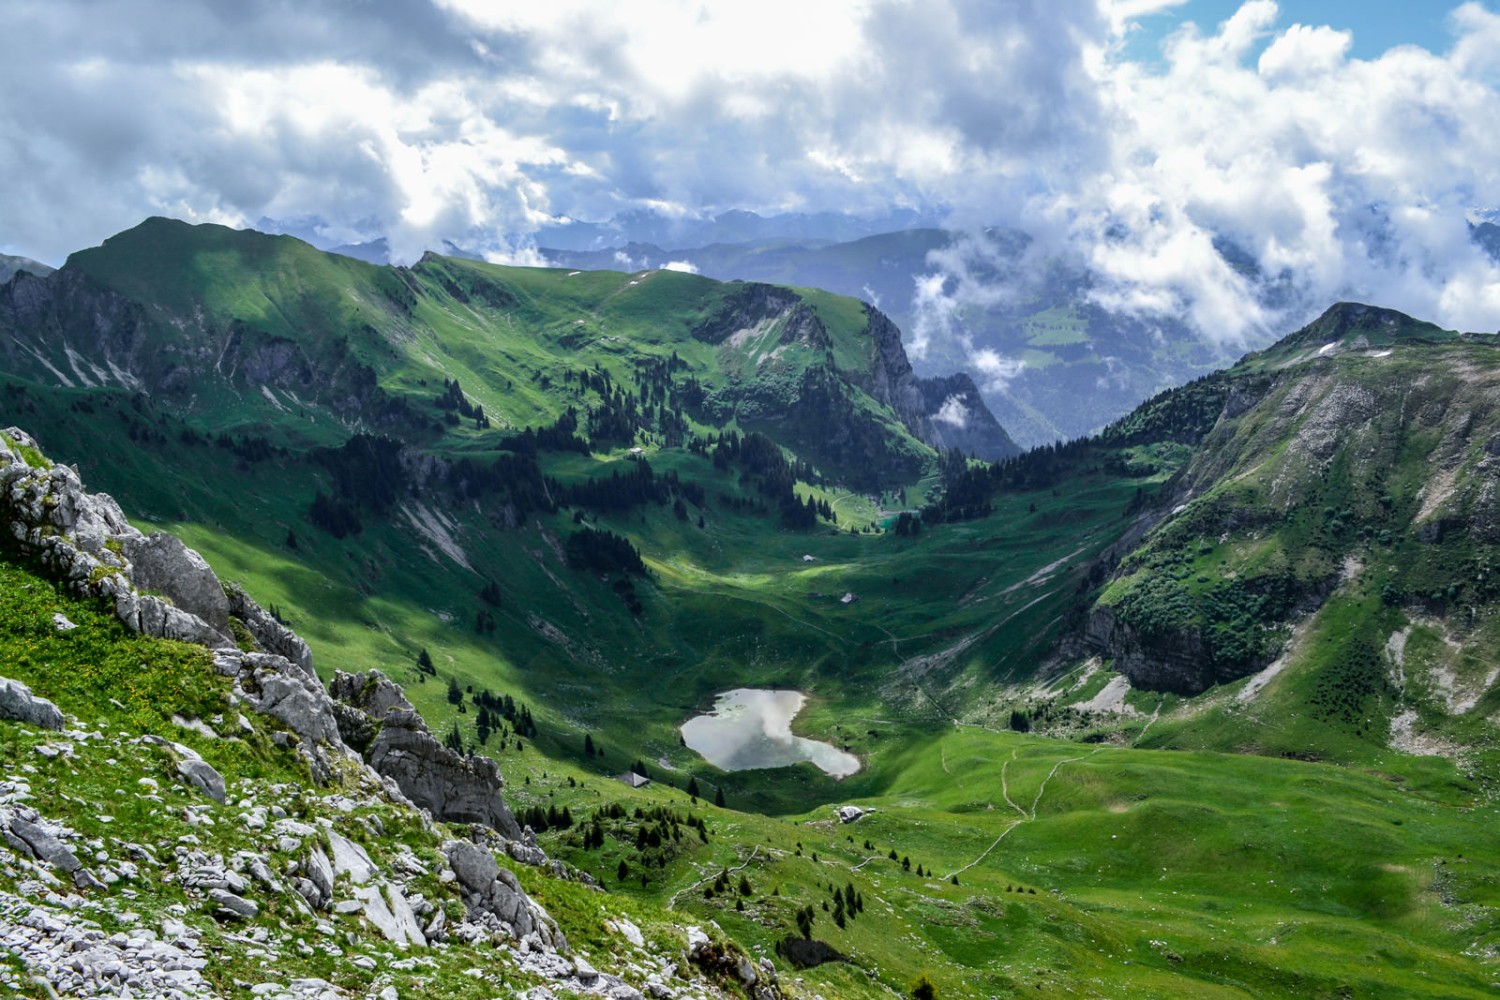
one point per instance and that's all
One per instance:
(505, 707)
(541, 820)
(603, 552)
(774, 476)
(485, 622)
(561, 435)
(1345, 687)
(250, 448)
(367, 474)
(455, 404)
(657, 834)
(334, 515)
(847, 904)
(723, 884)
(908, 524)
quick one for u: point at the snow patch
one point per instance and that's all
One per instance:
(265, 390)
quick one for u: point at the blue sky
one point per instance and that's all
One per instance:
(1129, 136)
(1376, 25)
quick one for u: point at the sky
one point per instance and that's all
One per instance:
(1340, 148)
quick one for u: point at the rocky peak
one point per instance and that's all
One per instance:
(946, 412)
(755, 305)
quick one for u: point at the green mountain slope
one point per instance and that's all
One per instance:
(1084, 366)
(1291, 558)
(991, 863)
(1333, 536)
(237, 328)
(345, 439)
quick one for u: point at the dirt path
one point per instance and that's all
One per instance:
(1026, 816)
(1005, 784)
(709, 878)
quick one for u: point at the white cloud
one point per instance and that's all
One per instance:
(475, 122)
(953, 412)
(685, 266)
(995, 372)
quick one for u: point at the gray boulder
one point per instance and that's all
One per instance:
(191, 768)
(230, 905)
(45, 846)
(18, 704)
(272, 636)
(475, 867)
(372, 693)
(160, 562)
(201, 775)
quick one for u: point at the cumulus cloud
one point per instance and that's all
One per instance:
(1330, 176)
(1336, 177)
(685, 266)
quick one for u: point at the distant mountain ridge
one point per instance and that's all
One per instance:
(190, 307)
(1069, 367)
(10, 266)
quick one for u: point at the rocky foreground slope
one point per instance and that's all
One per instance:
(209, 820)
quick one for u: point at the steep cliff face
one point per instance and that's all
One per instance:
(942, 412)
(11, 266)
(956, 418)
(70, 330)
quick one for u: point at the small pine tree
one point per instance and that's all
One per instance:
(923, 989)
(719, 797)
(622, 872)
(455, 693)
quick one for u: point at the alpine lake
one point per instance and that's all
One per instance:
(751, 728)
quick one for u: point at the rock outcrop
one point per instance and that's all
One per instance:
(86, 541)
(375, 717)
(494, 897)
(322, 850)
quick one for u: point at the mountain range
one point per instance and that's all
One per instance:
(1212, 688)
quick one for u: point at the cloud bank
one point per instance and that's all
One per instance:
(1251, 175)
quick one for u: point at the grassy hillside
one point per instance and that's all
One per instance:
(1084, 366)
(1021, 863)
(1333, 537)
(1313, 527)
